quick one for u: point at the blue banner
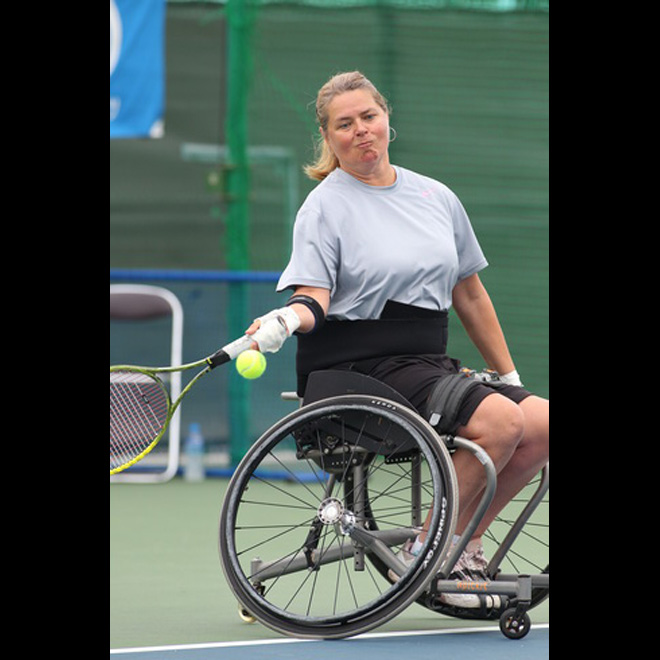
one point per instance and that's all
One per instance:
(137, 68)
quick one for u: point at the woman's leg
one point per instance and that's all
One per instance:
(514, 472)
(496, 425)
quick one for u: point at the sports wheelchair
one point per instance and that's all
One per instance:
(318, 510)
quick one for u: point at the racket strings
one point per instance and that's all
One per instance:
(139, 409)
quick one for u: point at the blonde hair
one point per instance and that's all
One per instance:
(326, 161)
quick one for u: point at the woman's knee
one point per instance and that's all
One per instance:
(498, 425)
(509, 424)
(537, 424)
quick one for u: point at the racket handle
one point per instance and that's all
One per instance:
(230, 351)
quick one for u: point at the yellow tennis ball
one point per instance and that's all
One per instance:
(251, 364)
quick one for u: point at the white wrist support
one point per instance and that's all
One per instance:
(276, 327)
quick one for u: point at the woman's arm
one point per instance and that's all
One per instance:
(477, 314)
(322, 297)
(282, 323)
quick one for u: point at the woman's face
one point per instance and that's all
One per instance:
(358, 132)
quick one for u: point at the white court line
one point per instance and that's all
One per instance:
(288, 640)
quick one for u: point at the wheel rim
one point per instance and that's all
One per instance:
(315, 579)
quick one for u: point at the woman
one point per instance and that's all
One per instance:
(377, 249)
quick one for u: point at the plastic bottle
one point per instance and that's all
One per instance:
(194, 451)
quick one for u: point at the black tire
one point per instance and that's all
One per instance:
(346, 465)
(513, 625)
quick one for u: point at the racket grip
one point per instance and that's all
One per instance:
(230, 351)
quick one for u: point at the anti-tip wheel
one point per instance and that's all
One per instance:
(514, 625)
(245, 614)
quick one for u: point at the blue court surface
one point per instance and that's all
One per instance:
(484, 642)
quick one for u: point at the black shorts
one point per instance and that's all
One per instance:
(415, 376)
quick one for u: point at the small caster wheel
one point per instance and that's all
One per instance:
(245, 615)
(514, 624)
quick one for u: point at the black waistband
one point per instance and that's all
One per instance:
(337, 342)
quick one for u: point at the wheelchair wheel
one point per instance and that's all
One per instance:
(318, 509)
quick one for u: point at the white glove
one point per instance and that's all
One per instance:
(276, 327)
(512, 378)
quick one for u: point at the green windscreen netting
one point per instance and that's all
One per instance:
(468, 81)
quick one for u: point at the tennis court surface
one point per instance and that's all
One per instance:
(467, 643)
(169, 598)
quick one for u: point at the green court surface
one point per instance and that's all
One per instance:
(166, 582)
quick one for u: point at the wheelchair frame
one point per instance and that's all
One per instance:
(342, 401)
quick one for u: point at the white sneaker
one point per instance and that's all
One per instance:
(406, 557)
(471, 567)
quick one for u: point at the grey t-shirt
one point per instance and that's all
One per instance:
(410, 242)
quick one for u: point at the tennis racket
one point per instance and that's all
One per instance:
(141, 407)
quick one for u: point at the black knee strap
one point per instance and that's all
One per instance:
(445, 401)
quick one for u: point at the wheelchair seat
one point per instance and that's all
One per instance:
(337, 382)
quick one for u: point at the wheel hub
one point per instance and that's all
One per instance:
(330, 511)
